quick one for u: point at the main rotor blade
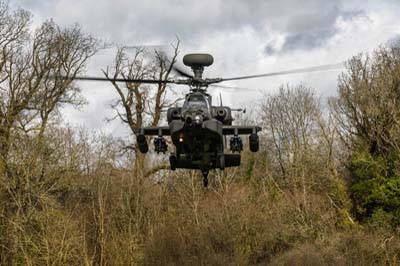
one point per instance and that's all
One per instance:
(181, 72)
(293, 71)
(149, 81)
(226, 87)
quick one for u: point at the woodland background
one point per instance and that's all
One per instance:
(323, 190)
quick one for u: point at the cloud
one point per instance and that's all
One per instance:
(394, 41)
(310, 31)
(127, 20)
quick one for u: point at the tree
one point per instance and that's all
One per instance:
(367, 111)
(13, 35)
(291, 119)
(301, 150)
(37, 72)
(140, 105)
(367, 108)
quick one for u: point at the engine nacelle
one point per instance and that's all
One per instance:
(223, 114)
(174, 113)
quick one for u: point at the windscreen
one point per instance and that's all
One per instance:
(197, 100)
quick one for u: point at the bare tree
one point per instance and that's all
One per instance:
(291, 119)
(31, 85)
(13, 34)
(139, 105)
(68, 51)
(301, 155)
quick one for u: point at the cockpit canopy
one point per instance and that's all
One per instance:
(196, 100)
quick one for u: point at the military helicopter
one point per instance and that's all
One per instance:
(198, 129)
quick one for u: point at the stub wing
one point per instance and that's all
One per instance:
(226, 130)
(240, 130)
(154, 131)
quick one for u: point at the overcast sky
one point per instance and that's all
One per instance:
(245, 37)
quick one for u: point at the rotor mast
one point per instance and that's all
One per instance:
(197, 62)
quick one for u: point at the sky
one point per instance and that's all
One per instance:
(245, 37)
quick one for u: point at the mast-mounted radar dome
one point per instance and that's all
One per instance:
(198, 60)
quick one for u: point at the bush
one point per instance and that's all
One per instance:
(375, 188)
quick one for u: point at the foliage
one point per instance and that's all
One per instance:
(368, 121)
(375, 188)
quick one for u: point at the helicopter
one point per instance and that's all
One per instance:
(198, 129)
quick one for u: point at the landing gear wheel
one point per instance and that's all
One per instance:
(205, 178)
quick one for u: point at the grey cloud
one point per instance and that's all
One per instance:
(128, 21)
(307, 40)
(313, 30)
(394, 41)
